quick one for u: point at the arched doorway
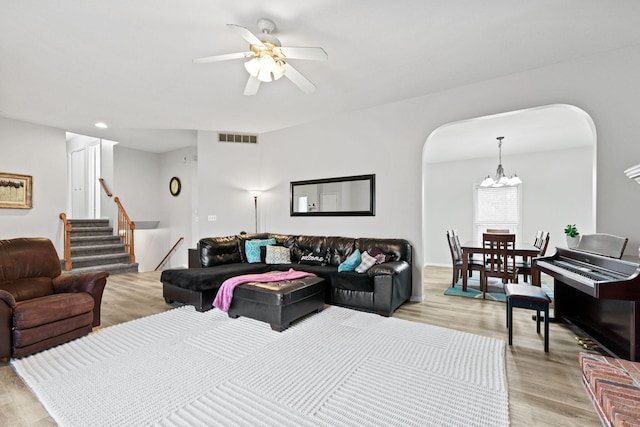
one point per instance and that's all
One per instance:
(552, 149)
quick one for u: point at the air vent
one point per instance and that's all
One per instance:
(233, 137)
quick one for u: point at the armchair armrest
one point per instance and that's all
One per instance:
(80, 282)
(92, 283)
(7, 298)
(388, 268)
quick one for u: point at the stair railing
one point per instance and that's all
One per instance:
(67, 241)
(125, 230)
(125, 225)
(104, 187)
(171, 252)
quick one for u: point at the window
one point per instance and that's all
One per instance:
(497, 207)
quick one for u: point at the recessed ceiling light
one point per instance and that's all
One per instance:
(101, 125)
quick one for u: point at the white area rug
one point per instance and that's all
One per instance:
(338, 367)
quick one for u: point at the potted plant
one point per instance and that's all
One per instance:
(573, 235)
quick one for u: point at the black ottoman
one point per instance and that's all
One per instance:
(278, 303)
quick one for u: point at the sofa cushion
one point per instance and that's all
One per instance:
(51, 308)
(350, 263)
(252, 248)
(319, 270)
(314, 258)
(380, 256)
(242, 238)
(400, 249)
(339, 249)
(278, 255)
(28, 288)
(218, 251)
(366, 262)
(351, 280)
(305, 244)
(199, 279)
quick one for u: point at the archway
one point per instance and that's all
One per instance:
(552, 148)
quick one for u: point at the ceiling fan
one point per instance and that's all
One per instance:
(269, 58)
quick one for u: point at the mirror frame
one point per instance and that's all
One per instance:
(372, 196)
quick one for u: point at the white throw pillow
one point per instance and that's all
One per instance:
(278, 255)
(367, 262)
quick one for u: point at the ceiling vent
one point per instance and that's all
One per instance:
(242, 139)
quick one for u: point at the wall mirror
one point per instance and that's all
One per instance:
(345, 196)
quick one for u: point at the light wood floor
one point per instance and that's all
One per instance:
(544, 389)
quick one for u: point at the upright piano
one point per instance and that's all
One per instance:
(598, 294)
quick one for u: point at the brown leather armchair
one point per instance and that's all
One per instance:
(39, 306)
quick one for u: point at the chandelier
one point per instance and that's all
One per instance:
(501, 179)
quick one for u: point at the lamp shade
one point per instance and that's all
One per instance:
(255, 193)
(253, 67)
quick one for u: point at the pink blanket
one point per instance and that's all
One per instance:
(225, 293)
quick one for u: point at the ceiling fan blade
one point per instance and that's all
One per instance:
(298, 79)
(313, 53)
(246, 34)
(252, 86)
(225, 57)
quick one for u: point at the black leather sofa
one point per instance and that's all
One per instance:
(382, 289)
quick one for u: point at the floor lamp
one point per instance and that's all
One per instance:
(255, 194)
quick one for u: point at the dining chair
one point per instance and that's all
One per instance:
(524, 267)
(498, 251)
(456, 258)
(537, 240)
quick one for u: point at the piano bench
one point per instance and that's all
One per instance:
(532, 298)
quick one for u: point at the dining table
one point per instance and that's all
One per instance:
(523, 249)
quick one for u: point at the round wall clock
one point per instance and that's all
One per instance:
(175, 186)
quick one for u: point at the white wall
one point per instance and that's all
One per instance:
(178, 211)
(138, 183)
(226, 172)
(556, 190)
(39, 151)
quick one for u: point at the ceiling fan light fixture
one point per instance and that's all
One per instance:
(252, 67)
(278, 71)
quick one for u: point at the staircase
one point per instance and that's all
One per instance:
(94, 247)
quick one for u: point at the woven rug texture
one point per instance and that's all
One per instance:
(336, 368)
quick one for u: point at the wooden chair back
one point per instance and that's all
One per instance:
(455, 255)
(538, 240)
(499, 255)
(544, 243)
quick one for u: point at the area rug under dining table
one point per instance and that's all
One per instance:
(337, 367)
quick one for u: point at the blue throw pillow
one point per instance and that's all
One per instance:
(351, 262)
(252, 248)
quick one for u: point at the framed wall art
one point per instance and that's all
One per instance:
(15, 191)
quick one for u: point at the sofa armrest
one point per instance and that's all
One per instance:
(391, 286)
(388, 268)
(7, 298)
(92, 283)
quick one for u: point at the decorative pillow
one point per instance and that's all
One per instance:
(366, 263)
(278, 255)
(252, 248)
(351, 262)
(314, 258)
(380, 256)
